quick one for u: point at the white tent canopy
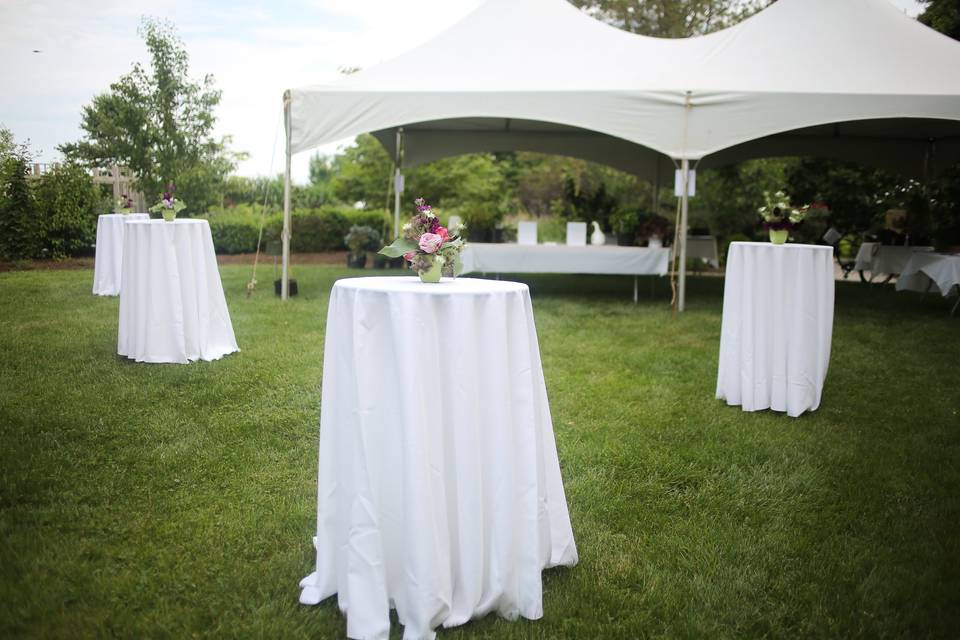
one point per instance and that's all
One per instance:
(851, 78)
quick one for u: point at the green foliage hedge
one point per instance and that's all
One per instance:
(53, 217)
(236, 230)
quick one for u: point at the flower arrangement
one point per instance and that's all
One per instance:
(169, 206)
(779, 218)
(431, 249)
(124, 204)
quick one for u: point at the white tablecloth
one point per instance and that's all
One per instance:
(882, 258)
(777, 326)
(924, 269)
(541, 258)
(439, 490)
(172, 307)
(108, 259)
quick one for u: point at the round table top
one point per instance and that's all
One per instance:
(446, 286)
(785, 245)
(158, 221)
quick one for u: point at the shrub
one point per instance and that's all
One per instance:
(234, 232)
(362, 238)
(19, 229)
(68, 204)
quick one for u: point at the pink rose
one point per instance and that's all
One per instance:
(430, 242)
(409, 256)
(443, 233)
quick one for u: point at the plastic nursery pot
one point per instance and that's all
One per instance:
(356, 260)
(778, 236)
(278, 284)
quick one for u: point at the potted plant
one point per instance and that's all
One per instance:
(169, 206)
(359, 240)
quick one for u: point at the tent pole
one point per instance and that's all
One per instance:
(656, 191)
(684, 201)
(397, 177)
(285, 236)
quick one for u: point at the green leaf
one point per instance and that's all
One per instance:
(397, 248)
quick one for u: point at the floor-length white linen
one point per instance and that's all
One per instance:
(172, 307)
(925, 271)
(439, 489)
(777, 326)
(108, 259)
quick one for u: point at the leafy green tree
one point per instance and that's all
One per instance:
(362, 172)
(670, 18)
(67, 204)
(942, 15)
(159, 123)
(18, 221)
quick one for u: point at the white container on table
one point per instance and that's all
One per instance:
(439, 489)
(172, 307)
(108, 259)
(777, 326)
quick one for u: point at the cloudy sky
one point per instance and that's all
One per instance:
(254, 49)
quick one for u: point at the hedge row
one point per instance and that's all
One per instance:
(313, 230)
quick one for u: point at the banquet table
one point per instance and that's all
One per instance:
(882, 258)
(439, 489)
(925, 271)
(777, 326)
(172, 307)
(108, 259)
(544, 258)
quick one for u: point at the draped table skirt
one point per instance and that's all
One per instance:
(172, 307)
(439, 488)
(108, 259)
(777, 326)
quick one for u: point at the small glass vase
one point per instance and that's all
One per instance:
(169, 215)
(778, 236)
(432, 275)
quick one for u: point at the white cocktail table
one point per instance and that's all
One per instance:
(172, 307)
(108, 259)
(439, 490)
(777, 326)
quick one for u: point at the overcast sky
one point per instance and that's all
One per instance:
(255, 50)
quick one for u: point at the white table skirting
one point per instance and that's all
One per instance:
(108, 259)
(480, 257)
(926, 269)
(172, 307)
(439, 488)
(881, 258)
(777, 326)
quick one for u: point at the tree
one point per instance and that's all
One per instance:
(942, 15)
(159, 123)
(670, 18)
(18, 220)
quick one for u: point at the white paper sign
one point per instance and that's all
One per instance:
(691, 183)
(398, 182)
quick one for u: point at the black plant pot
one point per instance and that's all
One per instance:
(277, 284)
(357, 261)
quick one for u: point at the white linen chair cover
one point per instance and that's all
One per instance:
(577, 234)
(527, 232)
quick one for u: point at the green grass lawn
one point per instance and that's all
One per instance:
(158, 501)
